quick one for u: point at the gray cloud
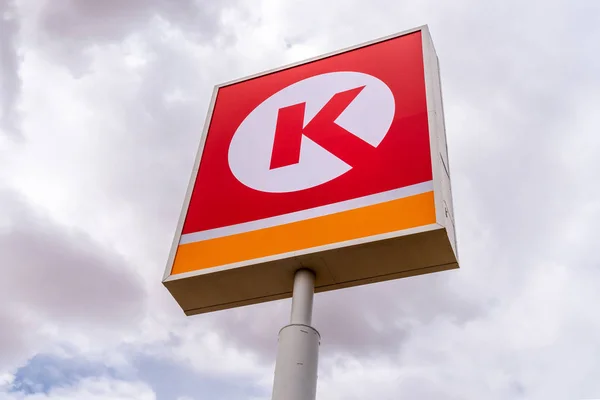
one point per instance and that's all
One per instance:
(491, 85)
(71, 27)
(173, 380)
(112, 20)
(10, 83)
(366, 321)
(520, 84)
(15, 338)
(53, 273)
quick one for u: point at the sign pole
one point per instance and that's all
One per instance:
(298, 349)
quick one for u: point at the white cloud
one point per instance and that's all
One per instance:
(92, 389)
(9, 78)
(111, 99)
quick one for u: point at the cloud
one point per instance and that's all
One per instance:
(87, 282)
(92, 389)
(44, 373)
(166, 378)
(362, 321)
(15, 337)
(10, 82)
(70, 28)
(177, 380)
(113, 99)
(58, 276)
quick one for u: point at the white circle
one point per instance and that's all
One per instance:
(369, 117)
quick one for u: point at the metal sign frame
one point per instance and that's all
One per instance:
(439, 154)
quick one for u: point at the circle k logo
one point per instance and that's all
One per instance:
(311, 132)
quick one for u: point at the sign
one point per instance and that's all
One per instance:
(338, 164)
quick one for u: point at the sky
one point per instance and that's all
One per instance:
(102, 104)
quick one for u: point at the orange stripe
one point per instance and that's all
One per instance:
(395, 215)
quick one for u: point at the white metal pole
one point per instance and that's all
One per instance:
(298, 349)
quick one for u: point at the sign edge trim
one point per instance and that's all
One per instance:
(192, 183)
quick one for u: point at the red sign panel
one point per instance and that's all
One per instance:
(339, 128)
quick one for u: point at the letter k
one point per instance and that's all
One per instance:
(321, 129)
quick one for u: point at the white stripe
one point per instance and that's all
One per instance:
(307, 214)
